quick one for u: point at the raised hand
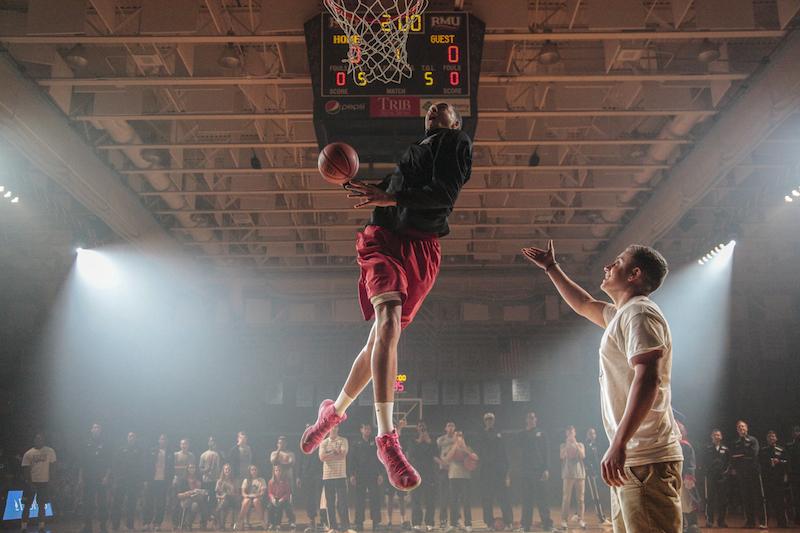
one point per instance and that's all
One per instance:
(542, 258)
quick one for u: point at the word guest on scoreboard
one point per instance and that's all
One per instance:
(438, 54)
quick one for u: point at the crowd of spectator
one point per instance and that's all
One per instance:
(159, 487)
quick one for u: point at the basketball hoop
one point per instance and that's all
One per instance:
(377, 32)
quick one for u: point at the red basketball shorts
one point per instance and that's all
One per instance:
(399, 267)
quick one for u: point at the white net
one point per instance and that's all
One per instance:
(377, 33)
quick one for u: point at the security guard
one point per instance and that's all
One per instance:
(744, 468)
(775, 469)
(716, 467)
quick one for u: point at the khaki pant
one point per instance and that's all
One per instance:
(649, 501)
(566, 497)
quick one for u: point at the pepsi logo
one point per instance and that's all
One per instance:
(332, 107)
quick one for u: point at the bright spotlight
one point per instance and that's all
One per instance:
(795, 193)
(7, 194)
(720, 250)
(15, 200)
(732, 242)
(97, 269)
(2, 188)
(788, 199)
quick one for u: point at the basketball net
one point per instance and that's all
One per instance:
(377, 32)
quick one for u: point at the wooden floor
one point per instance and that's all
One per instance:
(592, 525)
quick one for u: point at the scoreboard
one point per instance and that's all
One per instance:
(380, 119)
(437, 52)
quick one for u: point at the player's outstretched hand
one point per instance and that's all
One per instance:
(541, 258)
(369, 195)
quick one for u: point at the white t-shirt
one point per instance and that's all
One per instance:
(334, 468)
(638, 327)
(39, 461)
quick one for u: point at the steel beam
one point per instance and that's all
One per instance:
(773, 94)
(39, 130)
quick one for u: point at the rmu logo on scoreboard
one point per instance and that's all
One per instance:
(445, 22)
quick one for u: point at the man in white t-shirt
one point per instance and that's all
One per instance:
(644, 459)
(36, 469)
(333, 454)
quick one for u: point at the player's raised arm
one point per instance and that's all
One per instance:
(578, 299)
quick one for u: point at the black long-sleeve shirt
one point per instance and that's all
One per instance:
(592, 460)
(774, 473)
(426, 183)
(127, 464)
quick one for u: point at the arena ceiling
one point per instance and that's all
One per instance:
(659, 121)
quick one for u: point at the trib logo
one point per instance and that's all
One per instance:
(450, 22)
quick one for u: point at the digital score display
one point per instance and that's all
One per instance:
(438, 52)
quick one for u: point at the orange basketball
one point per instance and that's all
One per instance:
(338, 163)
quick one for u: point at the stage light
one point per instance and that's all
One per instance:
(795, 193)
(96, 269)
(7, 194)
(77, 57)
(2, 188)
(15, 200)
(549, 54)
(718, 251)
(709, 52)
(788, 199)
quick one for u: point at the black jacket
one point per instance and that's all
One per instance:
(592, 460)
(716, 463)
(150, 465)
(491, 449)
(426, 183)
(96, 460)
(422, 457)
(535, 452)
(362, 461)
(744, 453)
(774, 473)
(127, 466)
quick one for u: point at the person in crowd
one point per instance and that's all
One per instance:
(493, 473)
(423, 499)
(279, 498)
(716, 469)
(183, 458)
(159, 472)
(225, 491)
(592, 464)
(366, 478)
(443, 443)
(36, 473)
(310, 483)
(690, 497)
(793, 450)
(126, 471)
(774, 462)
(94, 476)
(461, 461)
(635, 360)
(210, 467)
(333, 454)
(283, 457)
(534, 474)
(192, 498)
(573, 475)
(240, 457)
(744, 468)
(393, 493)
(253, 490)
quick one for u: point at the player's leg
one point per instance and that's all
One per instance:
(332, 413)
(388, 316)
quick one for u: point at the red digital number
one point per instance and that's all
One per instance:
(455, 78)
(452, 54)
(341, 79)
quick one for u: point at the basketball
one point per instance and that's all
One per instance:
(338, 163)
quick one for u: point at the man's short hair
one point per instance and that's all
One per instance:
(457, 114)
(652, 264)
(488, 415)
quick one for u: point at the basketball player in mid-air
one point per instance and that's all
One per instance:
(399, 255)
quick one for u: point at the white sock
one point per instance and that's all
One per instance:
(383, 411)
(342, 403)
